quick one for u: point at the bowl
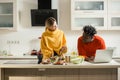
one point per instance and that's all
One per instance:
(77, 60)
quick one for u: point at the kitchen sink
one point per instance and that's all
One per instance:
(21, 62)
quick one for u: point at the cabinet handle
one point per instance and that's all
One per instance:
(41, 69)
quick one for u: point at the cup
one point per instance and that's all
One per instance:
(67, 59)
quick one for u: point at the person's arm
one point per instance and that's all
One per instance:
(64, 47)
(44, 49)
(64, 40)
(80, 48)
(82, 52)
(102, 44)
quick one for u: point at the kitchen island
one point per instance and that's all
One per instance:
(25, 57)
(10, 70)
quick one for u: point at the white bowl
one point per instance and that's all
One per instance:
(77, 60)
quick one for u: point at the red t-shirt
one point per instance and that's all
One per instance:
(89, 49)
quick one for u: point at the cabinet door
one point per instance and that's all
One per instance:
(89, 6)
(114, 6)
(88, 12)
(98, 74)
(24, 74)
(114, 22)
(8, 14)
(114, 14)
(119, 73)
(0, 74)
(99, 22)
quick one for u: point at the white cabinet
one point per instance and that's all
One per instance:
(8, 16)
(88, 12)
(98, 21)
(88, 6)
(119, 73)
(102, 14)
(114, 14)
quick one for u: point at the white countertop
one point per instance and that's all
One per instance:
(34, 57)
(33, 64)
(21, 56)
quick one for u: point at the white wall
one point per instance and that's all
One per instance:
(28, 36)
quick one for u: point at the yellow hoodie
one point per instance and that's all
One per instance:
(52, 41)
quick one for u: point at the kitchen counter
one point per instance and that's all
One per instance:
(29, 69)
(18, 57)
(33, 64)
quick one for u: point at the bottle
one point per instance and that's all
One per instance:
(101, 7)
(78, 8)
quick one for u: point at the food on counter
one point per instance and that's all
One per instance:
(77, 60)
(47, 61)
(57, 60)
(60, 62)
(52, 59)
(74, 53)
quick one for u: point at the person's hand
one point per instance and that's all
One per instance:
(63, 49)
(46, 61)
(91, 58)
(39, 52)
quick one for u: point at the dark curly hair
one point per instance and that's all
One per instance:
(89, 30)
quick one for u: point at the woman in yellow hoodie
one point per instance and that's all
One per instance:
(53, 41)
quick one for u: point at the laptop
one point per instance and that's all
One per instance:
(103, 56)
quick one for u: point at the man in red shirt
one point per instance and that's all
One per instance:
(88, 43)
